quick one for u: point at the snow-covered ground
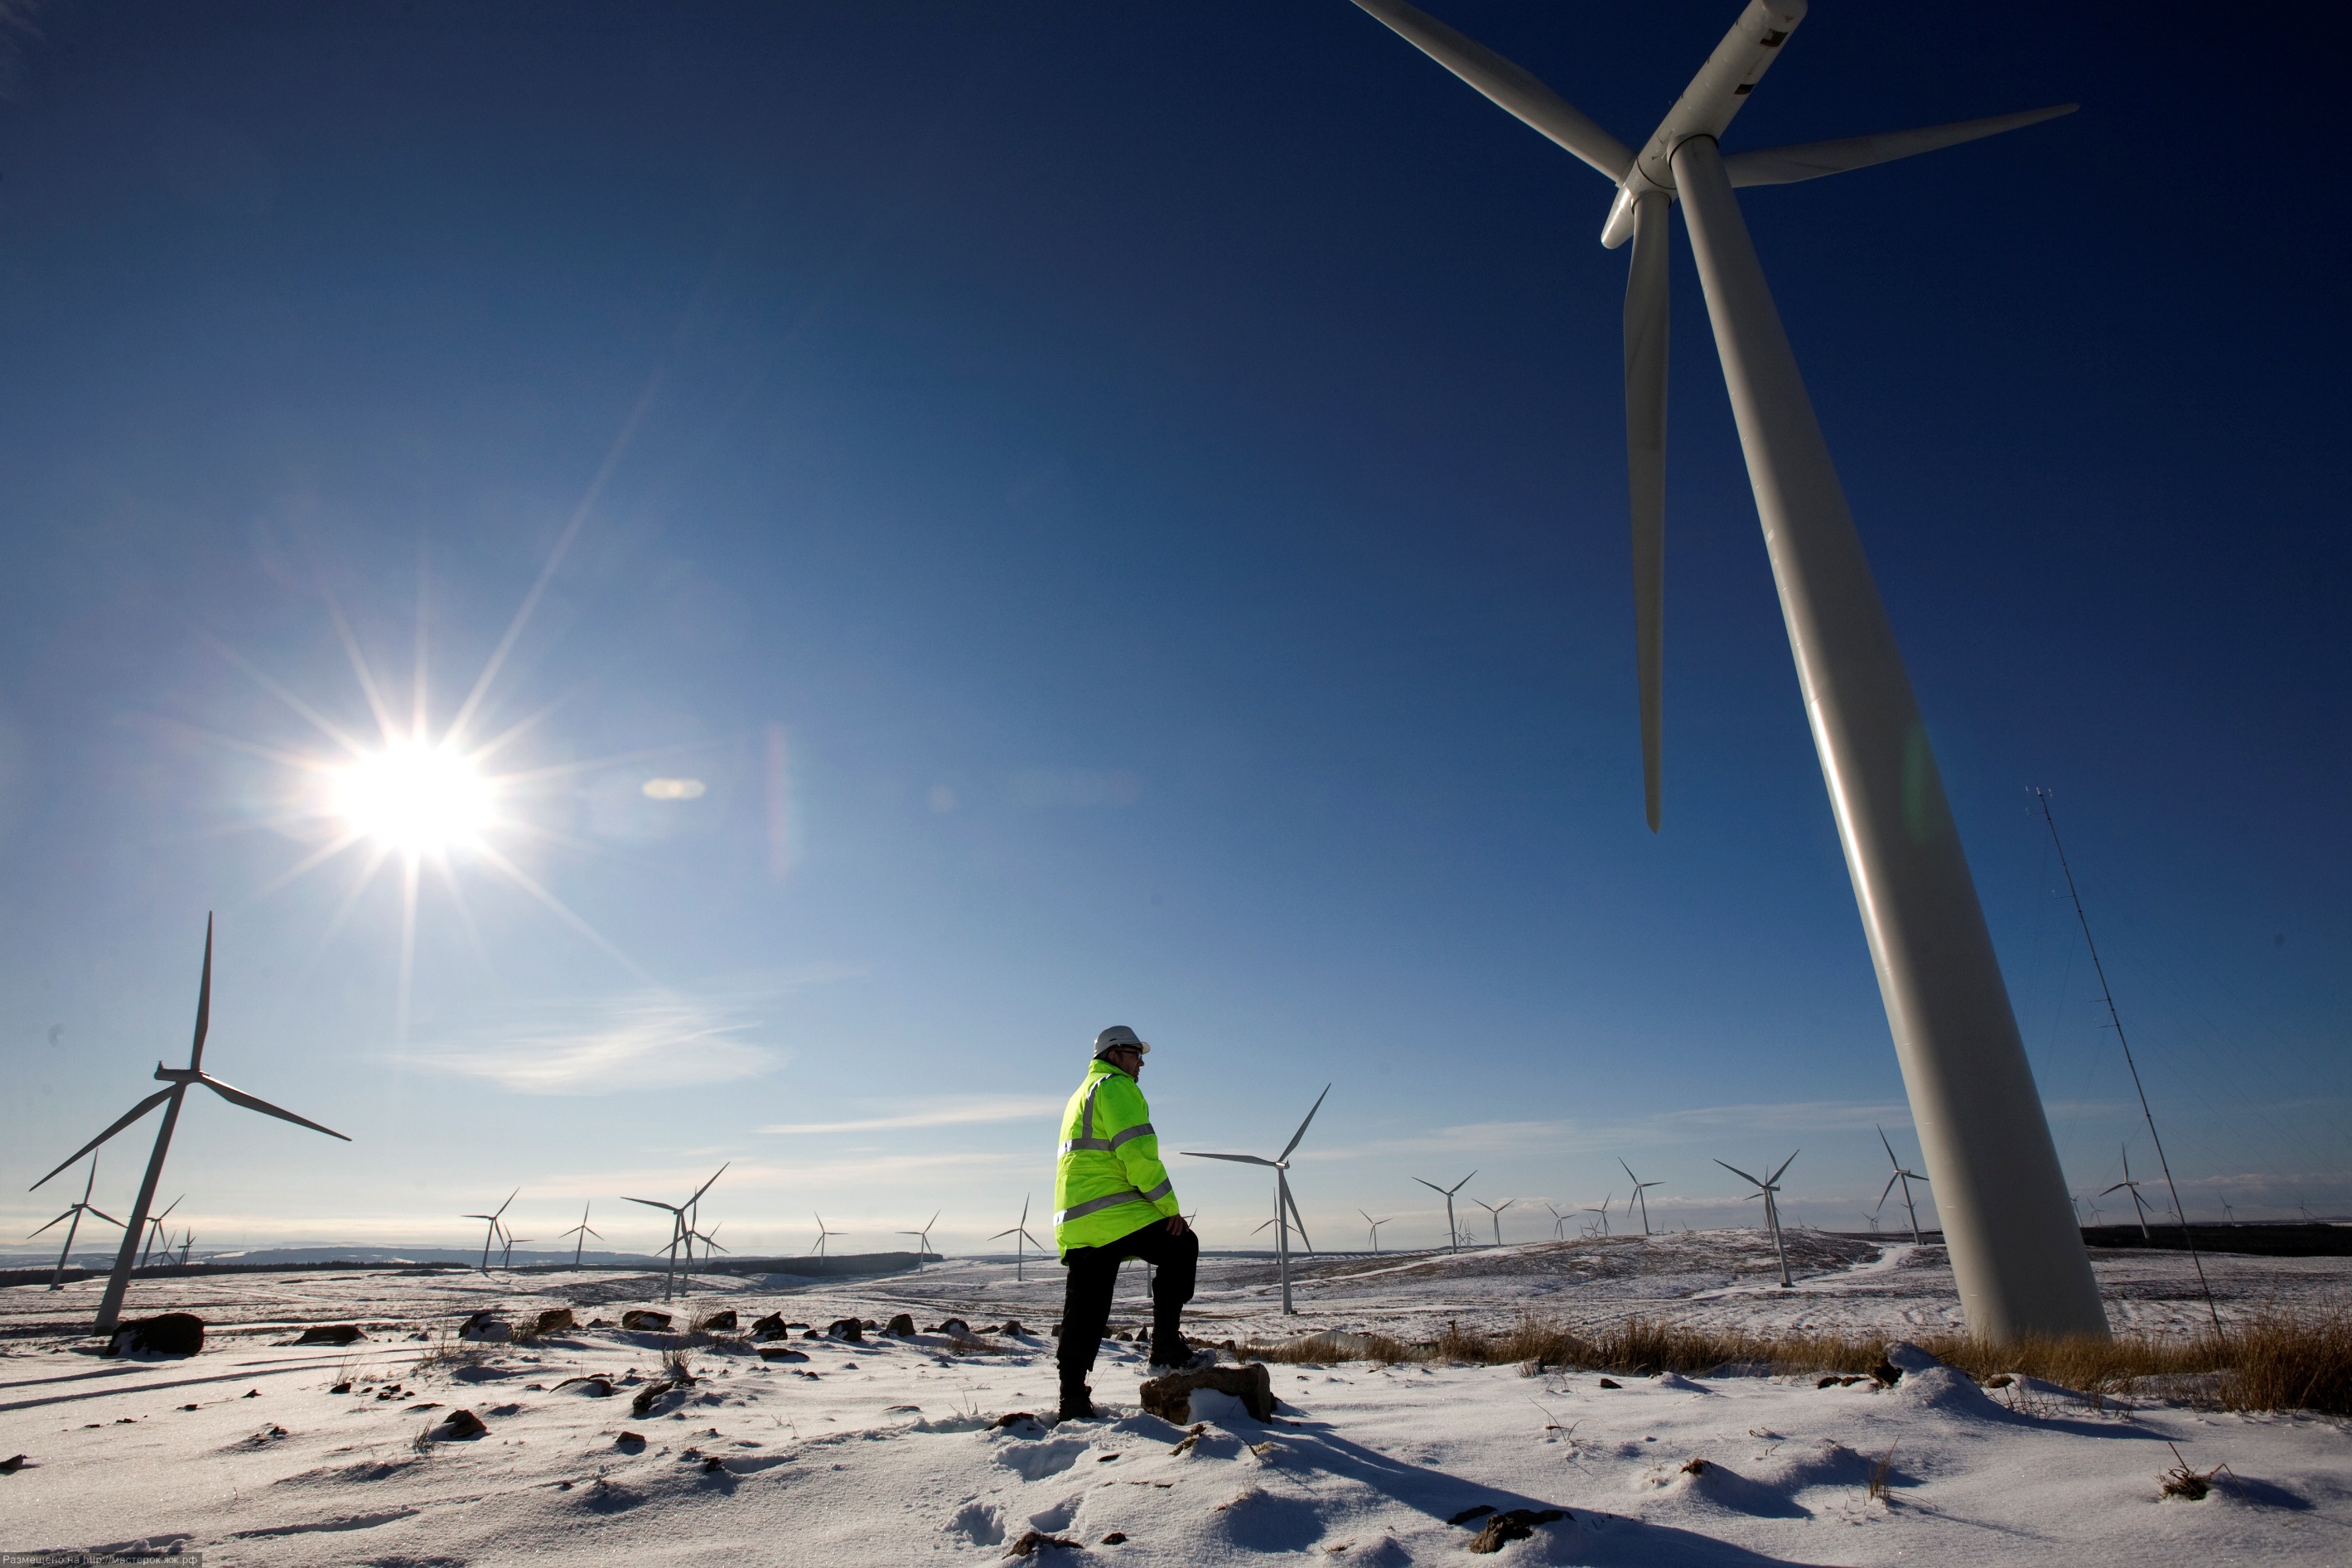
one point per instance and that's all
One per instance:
(881, 1452)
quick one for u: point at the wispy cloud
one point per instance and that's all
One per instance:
(942, 1114)
(648, 1040)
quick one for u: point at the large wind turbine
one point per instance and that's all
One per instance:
(580, 1233)
(1285, 1207)
(497, 1230)
(110, 1308)
(2016, 1254)
(923, 1239)
(681, 1229)
(1640, 1188)
(155, 1232)
(1020, 1233)
(1906, 1178)
(71, 1219)
(1453, 1234)
(1494, 1213)
(1766, 1187)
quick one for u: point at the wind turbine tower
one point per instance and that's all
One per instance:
(923, 1239)
(681, 1231)
(1375, 1225)
(1906, 1178)
(580, 1233)
(822, 1236)
(1765, 1189)
(2129, 1185)
(2016, 1256)
(1640, 1187)
(155, 1232)
(177, 1080)
(1020, 1233)
(1285, 1207)
(1494, 1213)
(1606, 1200)
(71, 1218)
(1452, 1232)
(490, 1237)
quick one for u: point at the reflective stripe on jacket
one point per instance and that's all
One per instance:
(1107, 1181)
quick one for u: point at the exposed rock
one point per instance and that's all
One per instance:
(461, 1423)
(12, 1464)
(902, 1326)
(1513, 1524)
(629, 1440)
(1011, 1418)
(1012, 1326)
(849, 1329)
(487, 1325)
(643, 1403)
(1170, 1397)
(1611, 1383)
(646, 1320)
(1029, 1543)
(954, 1328)
(330, 1334)
(720, 1321)
(173, 1333)
(594, 1386)
(555, 1320)
(772, 1326)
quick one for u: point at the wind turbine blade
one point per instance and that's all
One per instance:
(1646, 301)
(1889, 1148)
(1742, 1175)
(1888, 1187)
(203, 1001)
(106, 1217)
(127, 1117)
(1429, 1184)
(1293, 1204)
(2117, 1188)
(60, 1220)
(1785, 1165)
(706, 1186)
(1302, 1126)
(648, 1202)
(255, 1102)
(1812, 160)
(1621, 1165)
(1241, 1159)
(511, 1198)
(1508, 87)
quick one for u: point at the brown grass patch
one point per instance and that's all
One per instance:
(2276, 1361)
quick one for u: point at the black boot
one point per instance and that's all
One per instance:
(1078, 1400)
(1169, 1351)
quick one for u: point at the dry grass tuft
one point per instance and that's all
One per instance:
(2278, 1361)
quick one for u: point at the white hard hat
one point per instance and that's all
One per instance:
(1119, 1034)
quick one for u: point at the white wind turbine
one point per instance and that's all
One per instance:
(1765, 1189)
(155, 1232)
(1020, 1233)
(580, 1233)
(2018, 1260)
(1606, 1200)
(490, 1237)
(2129, 1185)
(681, 1229)
(1286, 1208)
(1906, 1178)
(1453, 1233)
(71, 1219)
(179, 1079)
(1640, 1187)
(923, 1239)
(1558, 1223)
(1494, 1213)
(506, 1253)
(1375, 1225)
(822, 1235)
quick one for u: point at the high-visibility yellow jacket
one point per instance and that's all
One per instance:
(1108, 1181)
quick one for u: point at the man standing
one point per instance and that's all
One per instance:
(1113, 1201)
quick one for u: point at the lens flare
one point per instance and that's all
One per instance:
(416, 798)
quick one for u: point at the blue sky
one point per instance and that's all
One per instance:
(1121, 510)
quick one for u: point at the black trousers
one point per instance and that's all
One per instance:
(1094, 1274)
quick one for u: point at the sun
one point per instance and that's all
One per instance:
(415, 799)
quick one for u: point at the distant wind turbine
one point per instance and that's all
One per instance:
(2020, 1268)
(1494, 1213)
(506, 1254)
(1606, 1200)
(155, 1232)
(1283, 1203)
(821, 1234)
(681, 1231)
(580, 1233)
(1376, 1225)
(1558, 1223)
(179, 1079)
(73, 1211)
(1765, 1189)
(187, 1240)
(1020, 1233)
(490, 1237)
(2129, 1185)
(1640, 1187)
(1453, 1234)
(1906, 1178)
(923, 1239)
